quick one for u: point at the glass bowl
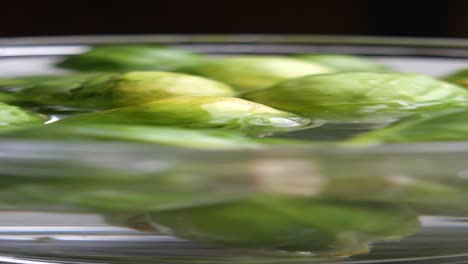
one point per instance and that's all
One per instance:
(93, 202)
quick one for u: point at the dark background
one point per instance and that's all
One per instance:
(389, 18)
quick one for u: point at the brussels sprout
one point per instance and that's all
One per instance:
(344, 63)
(290, 224)
(253, 72)
(137, 87)
(200, 112)
(131, 58)
(460, 77)
(369, 97)
(13, 117)
(448, 125)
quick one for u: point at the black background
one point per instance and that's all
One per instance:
(389, 18)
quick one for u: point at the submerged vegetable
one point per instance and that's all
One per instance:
(290, 224)
(200, 112)
(186, 200)
(131, 58)
(344, 63)
(138, 87)
(448, 125)
(359, 96)
(248, 73)
(109, 90)
(13, 117)
(125, 185)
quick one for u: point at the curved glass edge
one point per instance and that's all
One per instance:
(240, 38)
(366, 45)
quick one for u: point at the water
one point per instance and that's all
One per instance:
(331, 131)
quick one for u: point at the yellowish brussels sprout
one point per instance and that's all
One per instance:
(138, 87)
(200, 112)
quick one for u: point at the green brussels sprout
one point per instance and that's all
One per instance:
(120, 58)
(448, 125)
(290, 224)
(13, 117)
(367, 97)
(344, 63)
(248, 73)
(138, 87)
(460, 77)
(200, 112)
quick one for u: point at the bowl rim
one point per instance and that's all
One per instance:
(238, 38)
(353, 44)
